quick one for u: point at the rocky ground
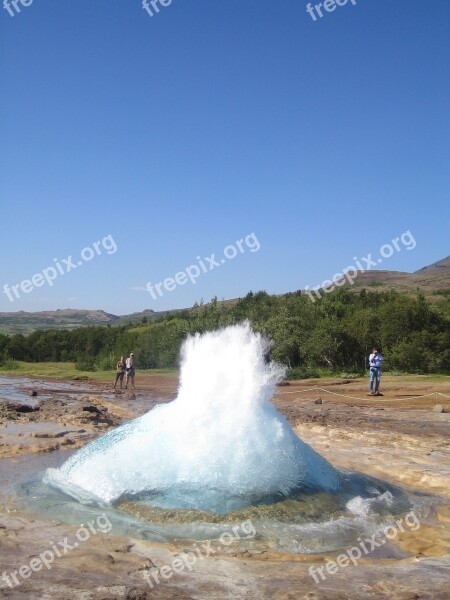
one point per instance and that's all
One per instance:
(396, 438)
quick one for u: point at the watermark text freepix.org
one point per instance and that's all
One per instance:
(368, 545)
(204, 265)
(102, 524)
(8, 4)
(186, 560)
(61, 267)
(350, 273)
(329, 6)
(152, 6)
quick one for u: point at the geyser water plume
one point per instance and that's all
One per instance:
(219, 446)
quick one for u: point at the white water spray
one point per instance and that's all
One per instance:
(219, 446)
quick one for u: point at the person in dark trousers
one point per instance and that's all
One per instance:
(375, 363)
(120, 372)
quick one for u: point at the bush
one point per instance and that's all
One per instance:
(302, 373)
(9, 365)
(85, 364)
(107, 363)
(352, 375)
(395, 373)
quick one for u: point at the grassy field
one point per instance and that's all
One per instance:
(67, 370)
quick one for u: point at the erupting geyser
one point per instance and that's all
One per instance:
(221, 445)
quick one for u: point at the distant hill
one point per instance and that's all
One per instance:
(433, 281)
(438, 268)
(27, 322)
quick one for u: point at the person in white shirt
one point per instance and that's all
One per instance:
(375, 362)
(130, 371)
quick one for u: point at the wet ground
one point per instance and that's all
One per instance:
(396, 438)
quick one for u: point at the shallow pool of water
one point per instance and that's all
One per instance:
(304, 523)
(18, 389)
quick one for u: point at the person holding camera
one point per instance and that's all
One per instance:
(375, 363)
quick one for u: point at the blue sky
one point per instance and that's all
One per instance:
(179, 134)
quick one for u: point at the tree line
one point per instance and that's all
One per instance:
(336, 332)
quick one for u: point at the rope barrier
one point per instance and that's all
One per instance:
(342, 395)
(298, 391)
(317, 389)
(354, 398)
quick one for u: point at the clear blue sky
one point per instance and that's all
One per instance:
(179, 134)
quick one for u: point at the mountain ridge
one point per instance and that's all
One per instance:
(433, 280)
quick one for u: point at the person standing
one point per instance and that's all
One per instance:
(120, 371)
(130, 371)
(375, 363)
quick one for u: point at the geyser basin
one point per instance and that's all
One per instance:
(218, 455)
(220, 446)
(304, 522)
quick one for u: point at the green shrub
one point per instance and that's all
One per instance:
(302, 373)
(85, 364)
(395, 373)
(107, 363)
(9, 365)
